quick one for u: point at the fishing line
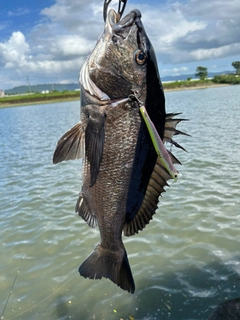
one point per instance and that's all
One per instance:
(11, 290)
(34, 306)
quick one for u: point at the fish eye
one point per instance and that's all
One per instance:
(140, 57)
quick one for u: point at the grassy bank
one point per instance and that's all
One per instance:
(220, 80)
(37, 98)
(187, 85)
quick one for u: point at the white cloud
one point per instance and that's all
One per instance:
(63, 55)
(56, 47)
(205, 54)
(188, 31)
(15, 50)
(175, 71)
(218, 34)
(70, 46)
(170, 25)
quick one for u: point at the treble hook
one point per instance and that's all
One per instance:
(121, 8)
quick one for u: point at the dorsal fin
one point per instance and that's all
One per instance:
(170, 129)
(156, 184)
(155, 187)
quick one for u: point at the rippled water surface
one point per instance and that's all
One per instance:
(184, 263)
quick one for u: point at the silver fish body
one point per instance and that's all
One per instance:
(123, 177)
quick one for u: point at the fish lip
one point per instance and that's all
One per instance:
(118, 26)
(121, 28)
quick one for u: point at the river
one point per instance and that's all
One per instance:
(185, 262)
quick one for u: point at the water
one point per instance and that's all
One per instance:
(184, 263)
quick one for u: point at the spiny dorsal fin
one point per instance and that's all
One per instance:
(170, 129)
(71, 145)
(174, 159)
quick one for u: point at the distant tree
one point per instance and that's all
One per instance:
(201, 72)
(189, 79)
(236, 65)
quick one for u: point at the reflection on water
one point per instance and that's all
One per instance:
(184, 263)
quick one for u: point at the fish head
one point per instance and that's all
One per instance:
(118, 63)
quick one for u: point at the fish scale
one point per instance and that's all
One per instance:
(121, 136)
(116, 163)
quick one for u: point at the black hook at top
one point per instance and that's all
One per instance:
(121, 8)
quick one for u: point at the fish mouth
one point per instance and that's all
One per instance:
(121, 28)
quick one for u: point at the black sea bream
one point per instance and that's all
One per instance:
(123, 176)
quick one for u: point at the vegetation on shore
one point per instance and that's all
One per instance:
(203, 83)
(33, 98)
(187, 84)
(227, 79)
(56, 96)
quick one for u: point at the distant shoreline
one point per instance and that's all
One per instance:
(67, 98)
(197, 87)
(36, 102)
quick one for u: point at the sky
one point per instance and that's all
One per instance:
(47, 41)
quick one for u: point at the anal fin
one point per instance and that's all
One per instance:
(84, 211)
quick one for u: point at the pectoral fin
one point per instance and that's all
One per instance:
(94, 143)
(71, 145)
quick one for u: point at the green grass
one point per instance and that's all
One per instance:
(220, 79)
(39, 98)
(64, 94)
(187, 84)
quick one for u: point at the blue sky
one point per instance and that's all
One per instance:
(48, 40)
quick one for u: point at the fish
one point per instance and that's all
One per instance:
(124, 171)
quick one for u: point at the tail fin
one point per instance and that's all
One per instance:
(109, 264)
